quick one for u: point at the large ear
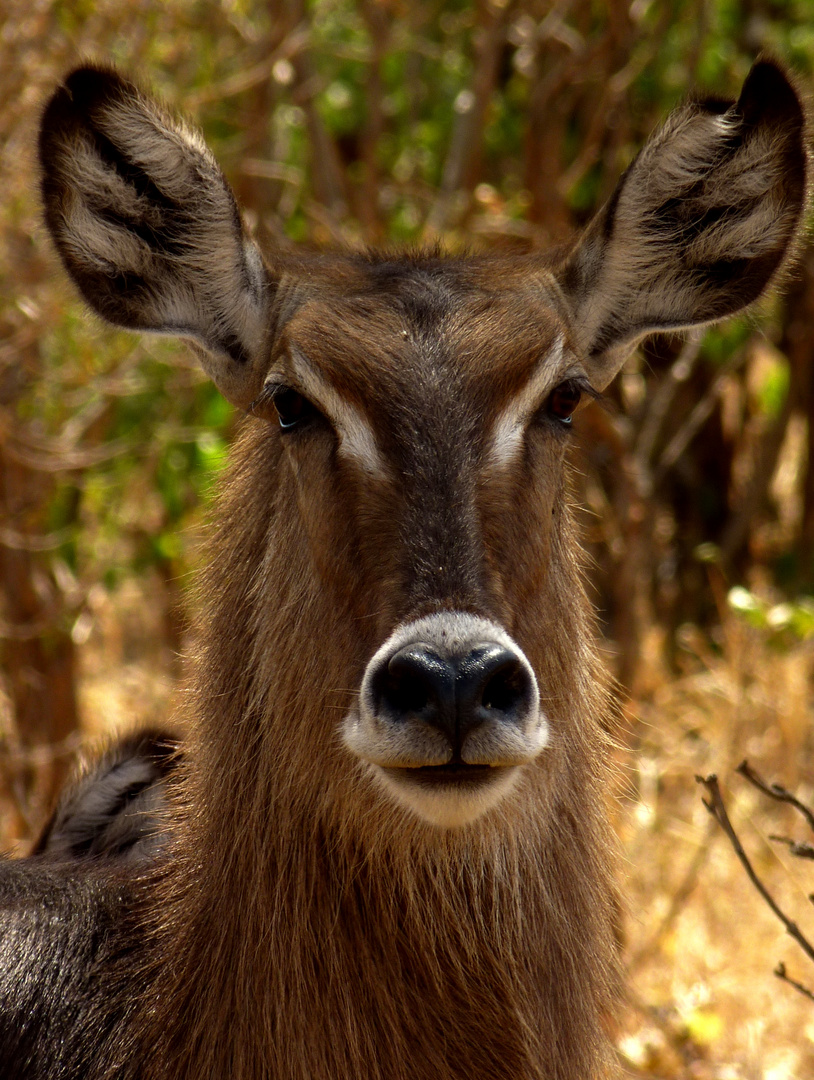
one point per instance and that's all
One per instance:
(698, 225)
(148, 227)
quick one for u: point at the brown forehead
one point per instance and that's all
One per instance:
(429, 326)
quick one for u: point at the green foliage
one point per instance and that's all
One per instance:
(773, 388)
(783, 624)
(723, 341)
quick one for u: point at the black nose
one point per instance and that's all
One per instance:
(453, 693)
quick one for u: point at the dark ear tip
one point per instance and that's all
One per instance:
(768, 95)
(85, 85)
(81, 89)
(73, 103)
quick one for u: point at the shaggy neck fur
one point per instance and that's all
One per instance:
(317, 932)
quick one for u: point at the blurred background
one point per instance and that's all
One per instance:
(500, 124)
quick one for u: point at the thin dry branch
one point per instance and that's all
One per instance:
(53, 457)
(297, 40)
(775, 791)
(662, 401)
(379, 29)
(697, 418)
(716, 807)
(800, 850)
(18, 757)
(463, 161)
(780, 972)
(19, 541)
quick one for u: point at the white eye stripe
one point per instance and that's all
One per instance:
(357, 441)
(510, 426)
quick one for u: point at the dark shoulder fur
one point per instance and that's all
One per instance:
(61, 928)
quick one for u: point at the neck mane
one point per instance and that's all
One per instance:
(316, 931)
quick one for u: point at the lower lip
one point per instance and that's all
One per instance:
(457, 775)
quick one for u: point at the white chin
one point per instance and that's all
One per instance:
(447, 805)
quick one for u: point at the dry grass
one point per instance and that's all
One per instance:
(701, 944)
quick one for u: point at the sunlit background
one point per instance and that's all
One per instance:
(497, 124)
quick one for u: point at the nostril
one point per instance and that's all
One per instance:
(507, 688)
(492, 679)
(404, 692)
(414, 681)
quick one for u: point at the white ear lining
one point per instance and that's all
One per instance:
(698, 226)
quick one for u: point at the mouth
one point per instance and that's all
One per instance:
(454, 774)
(451, 795)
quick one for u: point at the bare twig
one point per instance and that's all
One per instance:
(716, 807)
(615, 89)
(463, 161)
(272, 170)
(57, 460)
(244, 80)
(18, 541)
(780, 972)
(379, 28)
(18, 757)
(775, 791)
(801, 850)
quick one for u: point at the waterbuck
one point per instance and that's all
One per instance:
(386, 853)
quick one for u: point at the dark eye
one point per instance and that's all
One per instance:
(292, 408)
(563, 400)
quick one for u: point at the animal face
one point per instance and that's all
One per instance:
(424, 415)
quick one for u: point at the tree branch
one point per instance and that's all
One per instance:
(775, 791)
(780, 972)
(800, 850)
(716, 807)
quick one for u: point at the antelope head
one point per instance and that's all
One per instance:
(419, 407)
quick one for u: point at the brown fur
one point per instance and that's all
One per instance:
(388, 950)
